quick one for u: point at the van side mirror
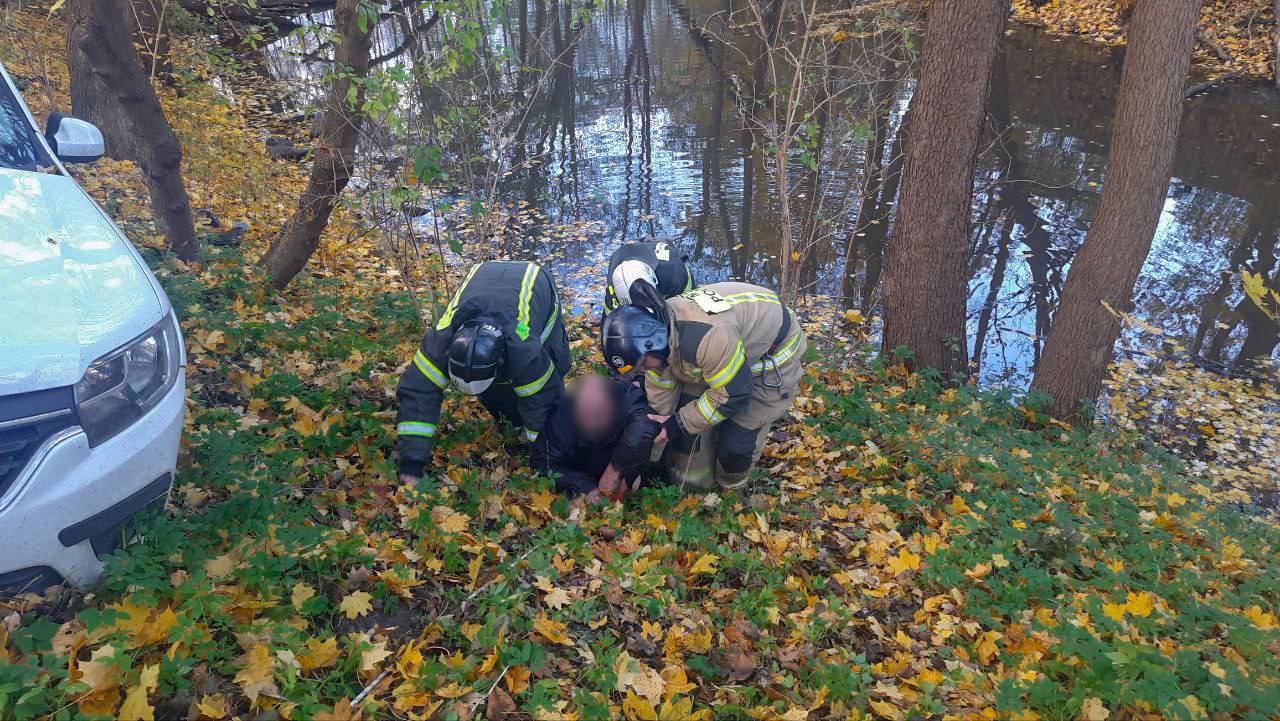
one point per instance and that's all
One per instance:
(74, 140)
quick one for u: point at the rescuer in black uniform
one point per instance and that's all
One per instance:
(501, 338)
(599, 438)
(655, 261)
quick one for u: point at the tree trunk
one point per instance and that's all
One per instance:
(90, 99)
(1149, 110)
(112, 83)
(925, 284)
(335, 152)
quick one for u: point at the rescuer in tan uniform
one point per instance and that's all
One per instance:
(721, 363)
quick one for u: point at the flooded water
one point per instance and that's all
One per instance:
(640, 132)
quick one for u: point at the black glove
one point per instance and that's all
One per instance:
(677, 437)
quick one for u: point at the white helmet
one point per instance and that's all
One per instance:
(628, 272)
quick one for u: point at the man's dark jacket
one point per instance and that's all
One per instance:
(577, 462)
(521, 298)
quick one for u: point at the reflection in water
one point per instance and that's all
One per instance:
(641, 129)
(1049, 126)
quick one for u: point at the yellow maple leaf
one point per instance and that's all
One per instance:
(220, 566)
(903, 562)
(371, 657)
(636, 708)
(449, 520)
(301, 593)
(1260, 618)
(213, 706)
(986, 647)
(706, 563)
(135, 706)
(1094, 710)
(1114, 611)
(1140, 604)
(541, 502)
(517, 679)
(676, 680)
(318, 654)
(635, 676)
(255, 677)
(556, 598)
(552, 630)
(356, 605)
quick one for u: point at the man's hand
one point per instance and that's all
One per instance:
(660, 420)
(611, 483)
(594, 498)
(408, 479)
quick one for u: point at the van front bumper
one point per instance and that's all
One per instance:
(70, 498)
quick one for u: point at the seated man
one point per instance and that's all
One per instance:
(597, 440)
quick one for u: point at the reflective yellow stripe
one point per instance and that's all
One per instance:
(415, 428)
(752, 296)
(429, 369)
(724, 375)
(659, 381)
(529, 389)
(555, 313)
(785, 354)
(522, 305)
(709, 413)
(530, 435)
(688, 283)
(447, 319)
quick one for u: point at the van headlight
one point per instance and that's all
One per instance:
(120, 387)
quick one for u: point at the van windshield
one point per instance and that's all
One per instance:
(18, 150)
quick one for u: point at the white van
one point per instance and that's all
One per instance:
(91, 362)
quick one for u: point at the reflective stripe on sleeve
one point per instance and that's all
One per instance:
(530, 435)
(659, 381)
(724, 375)
(429, 369)
(786, 353)
(555, 313)
(416, 428)
(709, 413)
(529, 389)
(522, 305)
(447, 319)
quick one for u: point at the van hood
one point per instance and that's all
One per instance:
(71, 287)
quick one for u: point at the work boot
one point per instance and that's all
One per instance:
(686, 471)
(731, 481)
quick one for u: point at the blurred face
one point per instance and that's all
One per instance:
(593, 410)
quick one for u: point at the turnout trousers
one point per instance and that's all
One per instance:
(724, 455)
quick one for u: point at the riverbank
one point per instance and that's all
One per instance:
(908, 551)
(1236, 36)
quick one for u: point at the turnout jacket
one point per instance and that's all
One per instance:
(521, 298)
(723, 337)
(578, 462)
(674, 276)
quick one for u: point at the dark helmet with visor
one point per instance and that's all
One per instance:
(476, 356)
(629, 333)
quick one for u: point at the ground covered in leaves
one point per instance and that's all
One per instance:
(1235, 36)
(906, 552)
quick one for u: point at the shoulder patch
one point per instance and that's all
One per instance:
(691, 333)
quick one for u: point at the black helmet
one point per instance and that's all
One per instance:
(476, 355)
(630, 332)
